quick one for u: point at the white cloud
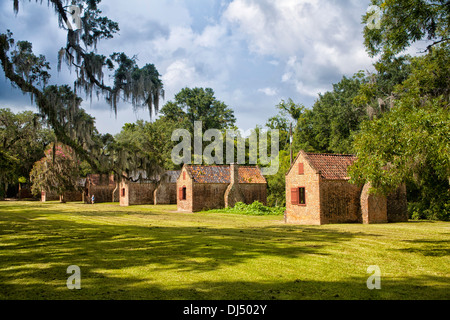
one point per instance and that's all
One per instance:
(269, 91)
(316, 39)
(211, 37)
(179, 74)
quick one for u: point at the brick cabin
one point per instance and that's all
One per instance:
(213, 187)
(166, 192)
(318, 192)
(102, 186)
(138, 189)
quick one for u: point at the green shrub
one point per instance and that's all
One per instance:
(254, 209)
(434, 210)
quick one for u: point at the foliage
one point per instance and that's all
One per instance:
(276, 184)
(23, 139)
(411, 142)
(58, 171)
(404, 22)
(289, 112)
(376, 94)
(408, 141)
(29, 73)
(254, 209)
(143, 146)
(199, 104)
(329, 125)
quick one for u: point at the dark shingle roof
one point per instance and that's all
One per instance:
(331, 166)
(221, 174)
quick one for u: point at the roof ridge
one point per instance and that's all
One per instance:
(330, 154)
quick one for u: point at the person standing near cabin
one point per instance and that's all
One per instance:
(92, 199)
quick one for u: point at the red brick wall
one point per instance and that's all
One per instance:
(136, 193)
(397, 206)
(123, 193)
(101, 193)
(254, 192)
(185, 205)
(309, 213)
(339, 202)
(208, 196)
(73, 196)
(373, 207)
(49, 196)
(165, 193)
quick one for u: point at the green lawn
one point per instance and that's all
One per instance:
(153, 252)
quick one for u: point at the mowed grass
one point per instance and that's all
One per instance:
(153, 252)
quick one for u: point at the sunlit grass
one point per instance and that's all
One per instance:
(154, 252)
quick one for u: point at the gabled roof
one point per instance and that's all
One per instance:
(221, 174)
(329, 166)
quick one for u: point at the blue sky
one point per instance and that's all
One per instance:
(252, 53)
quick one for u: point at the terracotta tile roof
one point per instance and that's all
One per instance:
(331, 166)
(221, 174)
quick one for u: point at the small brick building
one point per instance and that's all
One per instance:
(102, 186)
(138, 189)
(318, 192)
(166, 192)
(213, 187)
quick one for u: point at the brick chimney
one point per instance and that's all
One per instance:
(233, 194)
(234, 173)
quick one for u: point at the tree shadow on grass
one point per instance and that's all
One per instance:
(429, 248)
(105, 288)
(35, 254)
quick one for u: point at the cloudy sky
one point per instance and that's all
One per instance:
(252, 53)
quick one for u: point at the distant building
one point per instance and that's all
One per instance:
(139, 189)
(69, 196)
(212, 187)
(166, 192)
(49, 196)
(103, 187)
(318, 192)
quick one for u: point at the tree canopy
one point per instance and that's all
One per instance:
(29, 72)
(409, 141)
(199, 104)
